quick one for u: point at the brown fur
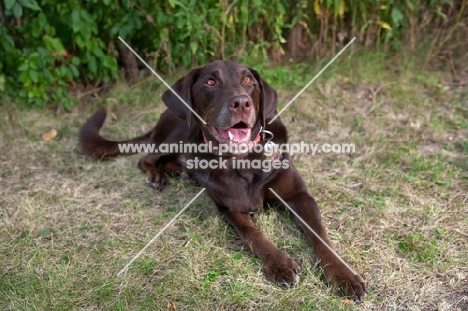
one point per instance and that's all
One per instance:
(236, 192)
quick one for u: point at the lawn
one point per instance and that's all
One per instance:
(396, 209)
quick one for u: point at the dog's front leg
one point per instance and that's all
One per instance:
(279, 267)
(155, 167)
(292, 190)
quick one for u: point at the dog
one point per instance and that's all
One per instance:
(237, 105)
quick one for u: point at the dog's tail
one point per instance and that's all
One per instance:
(94, 145)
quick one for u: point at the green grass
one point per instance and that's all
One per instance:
(396, 209)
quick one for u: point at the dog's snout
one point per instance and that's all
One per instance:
(241, 104)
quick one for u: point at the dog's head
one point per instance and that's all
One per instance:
(232, 99)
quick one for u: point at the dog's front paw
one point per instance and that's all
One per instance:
(282, 270)
(156, 178)
(349, 283)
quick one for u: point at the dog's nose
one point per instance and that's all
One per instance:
(240, 104)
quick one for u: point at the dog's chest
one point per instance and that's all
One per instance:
(240, 190)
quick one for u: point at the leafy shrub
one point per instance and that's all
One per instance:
(49, 46)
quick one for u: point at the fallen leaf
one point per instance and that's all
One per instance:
(347, 302)
(50, 135)
(113, 116)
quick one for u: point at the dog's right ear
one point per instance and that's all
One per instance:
(183, 88)
(268, 99)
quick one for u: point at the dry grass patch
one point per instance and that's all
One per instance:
(396, 209)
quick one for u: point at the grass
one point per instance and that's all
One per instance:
(396, 209)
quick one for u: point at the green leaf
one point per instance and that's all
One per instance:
(86, 32)
(76, 60)
(75, 17)
(9, 4)
(397, 16)
(92, 64)
(23, 67)
(86, 16)
(42, 20)
(24, 78)
(2, 83)
(440, 13)
(63, 71)
(98, 52)
(74, 70)
(53, 44)
(17, 10)
(194, 47)
(34, 65)
(8, 42)
(43, 53)
(69, 73)
(33, 75)
(237, 256)
(48, 76)
(66, 102)
(49, 30)
(31, 4)
(109, 62)
(34, 60)
(80, 42)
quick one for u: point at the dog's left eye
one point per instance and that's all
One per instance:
(248, 80)
(210, 82)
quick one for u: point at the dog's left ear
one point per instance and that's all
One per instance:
(268, 99)
(183, 87)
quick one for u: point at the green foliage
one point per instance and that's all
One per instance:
(43, 52)
(49, 46)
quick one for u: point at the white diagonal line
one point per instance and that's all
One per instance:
(157, 235)
(161, 79)
(315, 233)
(310, 82)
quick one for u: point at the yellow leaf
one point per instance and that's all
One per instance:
(303, 24)
(342, 8)
(383, 7)
(317, 9)
(50, 135)
(347, 302)
(385, 25)
(113, 116)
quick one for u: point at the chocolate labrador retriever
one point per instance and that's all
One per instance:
(237, 105)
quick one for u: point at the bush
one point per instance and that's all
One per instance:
(49, 46)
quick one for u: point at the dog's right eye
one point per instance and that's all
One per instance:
(210, 82)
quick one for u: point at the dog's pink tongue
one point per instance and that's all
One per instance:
(239, 134)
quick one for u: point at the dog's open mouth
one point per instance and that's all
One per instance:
(238, 133)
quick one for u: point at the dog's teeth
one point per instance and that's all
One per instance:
(231, 137)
